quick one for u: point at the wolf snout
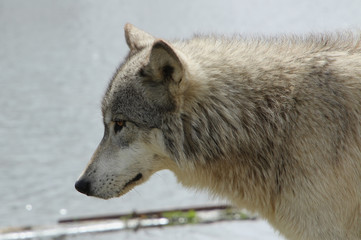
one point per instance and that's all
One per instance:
(83, 186)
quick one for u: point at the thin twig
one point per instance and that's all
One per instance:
(132, 221)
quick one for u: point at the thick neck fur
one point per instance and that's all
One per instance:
(226, 133)
(230, 131)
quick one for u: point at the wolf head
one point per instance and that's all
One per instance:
(143, 92)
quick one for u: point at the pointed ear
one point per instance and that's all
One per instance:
(136, 38)
(164, 63)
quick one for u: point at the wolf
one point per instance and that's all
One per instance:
(273, 124)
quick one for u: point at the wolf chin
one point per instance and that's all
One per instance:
(271, 124)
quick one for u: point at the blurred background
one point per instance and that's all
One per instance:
(56, 59)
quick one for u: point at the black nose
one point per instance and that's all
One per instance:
(83, 186)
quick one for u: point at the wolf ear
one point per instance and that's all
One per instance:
(164, 63)
(136, 38)
(163, 70)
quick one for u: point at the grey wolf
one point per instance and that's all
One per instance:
(272, 124)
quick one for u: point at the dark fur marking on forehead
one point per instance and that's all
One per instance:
(130, 102)
(134, 93)
(105, 99)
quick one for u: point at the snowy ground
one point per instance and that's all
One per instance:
(56, 58)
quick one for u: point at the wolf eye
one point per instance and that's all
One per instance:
(118, 125)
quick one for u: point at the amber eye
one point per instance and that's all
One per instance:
(118, 125)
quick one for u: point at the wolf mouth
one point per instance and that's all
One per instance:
(133, 180)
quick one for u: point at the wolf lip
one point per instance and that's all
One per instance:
(136, 178)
